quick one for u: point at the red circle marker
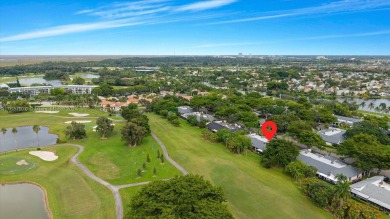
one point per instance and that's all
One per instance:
(269, 134)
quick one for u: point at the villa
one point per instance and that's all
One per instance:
(347, 120)
(219, 125)
(328, 167)
(373, 190)
(259, 143)
(184, 109)
(199, 116)
(332, 136)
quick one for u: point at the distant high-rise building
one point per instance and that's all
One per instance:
(240, 54)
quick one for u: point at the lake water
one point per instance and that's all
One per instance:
(26, 137)
(21, 201)
(365, 108)
(30, 81)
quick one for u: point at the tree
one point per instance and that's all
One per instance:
(368, 127)
(58, 91)
(371, 105)
(36, 129)
(103, 90)
(362, 104)
(17, 106)
(78, 81)
(193, 120)
(4, 131)
(14, 131)
(279, 153)
(341, 193)
(162, 159)
(148, 158)
(298, 170)
(154, 171)
(104, 127)
(310, 138)
(318, 191)
(158, 154)
(188, 196)
(139, 172)
(367, 152)
(133, 134)
(76, 131)
(239, 144)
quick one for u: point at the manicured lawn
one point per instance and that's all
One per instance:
(71, 193)
(110, 159)
(114, 161)
(127, 194)
(251, 190)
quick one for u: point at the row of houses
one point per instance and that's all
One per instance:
(374, 190)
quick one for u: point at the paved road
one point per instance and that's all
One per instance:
(167, 156)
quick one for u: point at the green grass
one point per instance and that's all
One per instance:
(8, 165)
(114, 161)
(110, 159)
(251, 190)
(71, 193)
(127, 194)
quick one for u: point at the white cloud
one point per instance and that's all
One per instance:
(204, 5)
(342, 6)
(144, 12)
(72, 28)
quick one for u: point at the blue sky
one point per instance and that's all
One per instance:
(197, 27)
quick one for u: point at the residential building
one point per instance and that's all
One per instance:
(199, 116)
(219, 125)
(373, 190)
(347, 120)
(328, 167)
(259, 143)
(332, 136)
(74, 89)
(184, 109)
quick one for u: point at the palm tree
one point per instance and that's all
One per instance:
(371, 105)
(382, 106)
(342, 192)
(377, 109)
(3, 131)
(36, 129)
(14, 131)
(362, 104)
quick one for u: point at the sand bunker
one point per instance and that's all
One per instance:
(78, 114)
(79, 121)
(44, 155)
(21, 162)
(47, 111)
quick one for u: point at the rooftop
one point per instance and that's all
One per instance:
(327, 166)
(373, 189)
(332, 135)
(259, 142)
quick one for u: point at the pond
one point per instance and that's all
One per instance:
(30, 81)
(20, 201)
(26, 137)
(376, 102)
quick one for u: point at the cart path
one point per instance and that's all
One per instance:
(167, 156)
(115, 188)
